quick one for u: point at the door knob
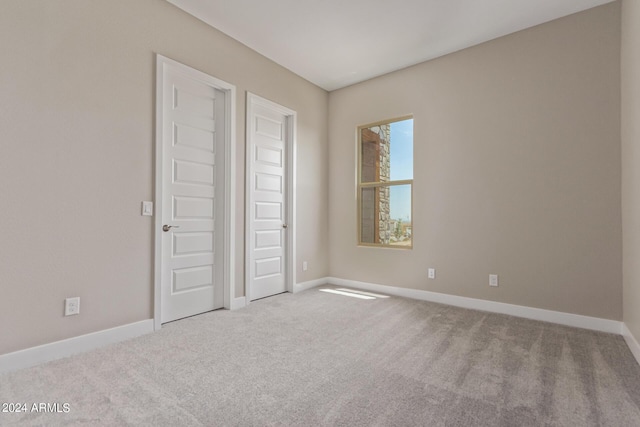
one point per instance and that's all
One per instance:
(284, 225)
(169, 227)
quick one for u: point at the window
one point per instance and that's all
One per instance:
(385, 183)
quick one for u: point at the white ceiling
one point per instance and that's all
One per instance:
(336, 43)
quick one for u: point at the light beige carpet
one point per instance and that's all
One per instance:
(316, 358)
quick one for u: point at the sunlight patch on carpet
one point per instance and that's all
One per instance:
(371, 294)
(347, 293)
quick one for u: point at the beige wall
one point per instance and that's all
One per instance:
(631, 163)
(77, 90)
(516, 171)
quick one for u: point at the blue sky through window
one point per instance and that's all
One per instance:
(401, 168)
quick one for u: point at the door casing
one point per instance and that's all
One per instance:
(290, 212)
(163, 63)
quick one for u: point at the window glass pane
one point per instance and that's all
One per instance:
(401, 153)
(385, 216)
(369, 215)
(375, 148)
(387, 152)
(400, 226)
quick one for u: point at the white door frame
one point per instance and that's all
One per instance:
(290, 192)
(162, 64)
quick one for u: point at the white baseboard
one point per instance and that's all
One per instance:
(631, 342)
(59, 349)
(303, 286)
(567, 319)
(238, 303)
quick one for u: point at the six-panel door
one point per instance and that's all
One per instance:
(193, 141)
(267, 210)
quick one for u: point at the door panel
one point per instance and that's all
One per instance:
(185, 172)
(192, 243)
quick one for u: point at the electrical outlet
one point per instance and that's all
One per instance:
(305, 266)
(72, 306)
(493, 280)
(432, 273)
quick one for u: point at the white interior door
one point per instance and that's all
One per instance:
(269, 141)
(192, 210)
